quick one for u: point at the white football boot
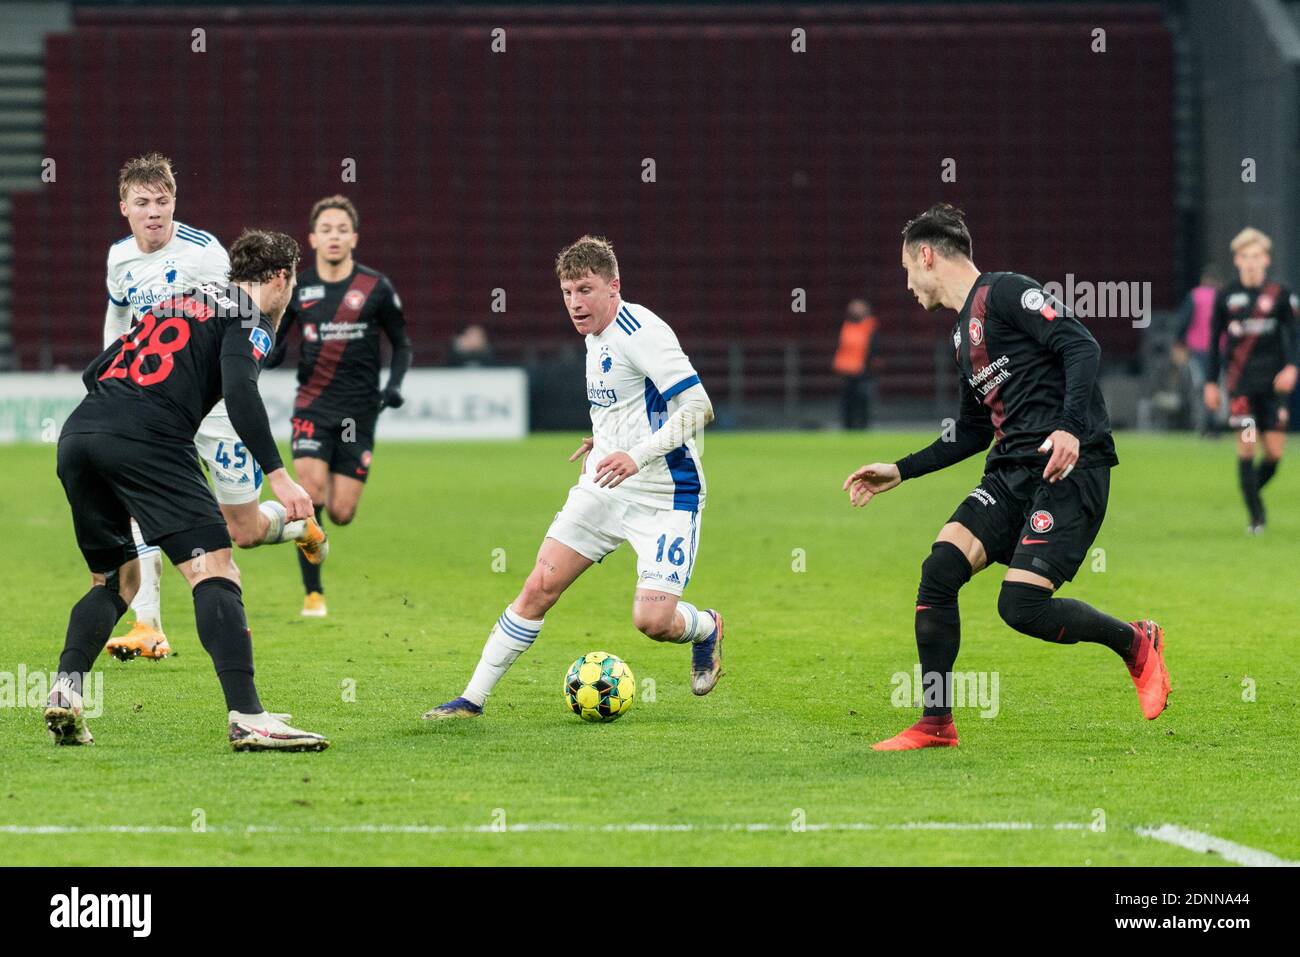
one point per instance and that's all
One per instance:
(268, 732)
(63, 715)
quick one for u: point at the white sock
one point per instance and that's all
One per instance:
(277, 529)
(147, 604)
(699, 625)
(511, 636)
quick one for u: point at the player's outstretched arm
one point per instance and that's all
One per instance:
(870, 481)
(969, 435)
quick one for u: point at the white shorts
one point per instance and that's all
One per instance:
(235, 476)
(594, 523)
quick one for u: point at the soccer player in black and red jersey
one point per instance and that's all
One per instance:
(340, 309)
(128, 451)
(1029, 385)
(1257, 317)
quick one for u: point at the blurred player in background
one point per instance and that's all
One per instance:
(1028, 382)
(641, 482)
(127, 453)
(161, 257)
(1258, 318)
(1192, 344)
(340, 309)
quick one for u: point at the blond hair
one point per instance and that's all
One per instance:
(153, 170)
(1248, 236)
(590, 254)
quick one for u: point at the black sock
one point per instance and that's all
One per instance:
(311, 573)
(938, 624)
(1267, 469)
(223, 632)
(1031, 610)
(89, 627)
(1249, 480)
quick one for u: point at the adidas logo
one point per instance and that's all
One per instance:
(673, 578)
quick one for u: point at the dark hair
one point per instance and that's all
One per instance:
(337, 201)
(942, 227)
(258, 254)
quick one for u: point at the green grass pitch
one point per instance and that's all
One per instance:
(785, 739)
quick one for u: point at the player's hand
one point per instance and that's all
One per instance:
(1065, 452)
(587, 444)
(1284, 381)
(871, 480)
(1178, 354)
(1211, 396)
(391, 399)
(613, 468)
(297, 503)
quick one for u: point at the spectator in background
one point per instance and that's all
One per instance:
(470, 348)
(852, 362)
(1192, 343)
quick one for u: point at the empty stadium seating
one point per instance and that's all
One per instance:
(774, 169)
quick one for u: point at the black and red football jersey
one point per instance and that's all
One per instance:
(162, 377)
(1259, 326)
(339, 324)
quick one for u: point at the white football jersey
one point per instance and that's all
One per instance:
(634, 368)
(136, 280)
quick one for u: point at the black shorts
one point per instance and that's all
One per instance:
(110, 480)
(1267, 410)
(345, 444)
(1023, 522)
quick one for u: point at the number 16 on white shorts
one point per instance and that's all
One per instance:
(594, 522)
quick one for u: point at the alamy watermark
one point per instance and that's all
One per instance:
(954, 689)
(31, 689)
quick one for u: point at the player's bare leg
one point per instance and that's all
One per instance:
(314, 476)
(91, 622)
(263, 523)
(343, 498)
(955, 556)
(662, 616)
(557, 567)
(223, 631)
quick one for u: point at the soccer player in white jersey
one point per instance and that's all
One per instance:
(641, 482)
(163, 256)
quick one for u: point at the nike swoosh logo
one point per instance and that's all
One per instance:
(308, 305)
(1033, 541)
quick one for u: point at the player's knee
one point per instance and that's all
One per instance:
(342, 514)
(244, 536)
(1025, 607)
(943, 573)
(537, 596)
(657, 624)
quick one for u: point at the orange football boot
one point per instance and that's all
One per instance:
(1146, 665)
(935, 732)
(142, 641)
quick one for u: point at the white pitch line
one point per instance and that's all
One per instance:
(542, 827)
(1209, 844)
